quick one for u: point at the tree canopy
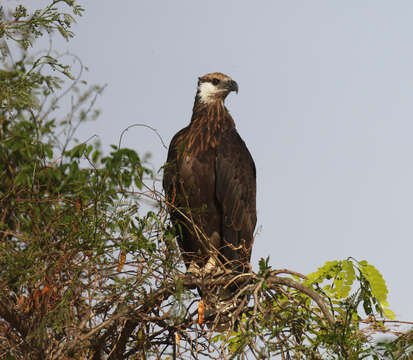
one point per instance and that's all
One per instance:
(89, 271)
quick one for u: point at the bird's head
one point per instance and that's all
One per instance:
(215, 87)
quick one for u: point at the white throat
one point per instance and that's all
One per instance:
(208, 92)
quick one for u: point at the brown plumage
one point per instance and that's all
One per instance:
(209, 179)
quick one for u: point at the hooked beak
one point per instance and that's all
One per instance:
(231, 85)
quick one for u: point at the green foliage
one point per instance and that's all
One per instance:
(341, 272)
(293, 325)
(264, 265)
(399, 349)
(24, 28)
(339, 278)
(66, 215)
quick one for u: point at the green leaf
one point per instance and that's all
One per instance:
(68, 74)
(78, 151)
(389, 314)
(377, 285)
(96, 155)
(348, 268)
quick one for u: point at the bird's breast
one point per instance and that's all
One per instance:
(186, 168)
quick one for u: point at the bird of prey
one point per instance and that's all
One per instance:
(210, 184)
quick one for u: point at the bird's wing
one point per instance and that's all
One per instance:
(170, 169)
(236, 194)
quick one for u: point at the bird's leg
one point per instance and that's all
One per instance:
(192, 273)
(212, 267)
(193, 269)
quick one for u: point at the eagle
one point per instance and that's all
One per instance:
(210, 184)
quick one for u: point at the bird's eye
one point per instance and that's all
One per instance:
(215, 81)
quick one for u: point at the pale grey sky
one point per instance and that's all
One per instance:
(325, 106)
